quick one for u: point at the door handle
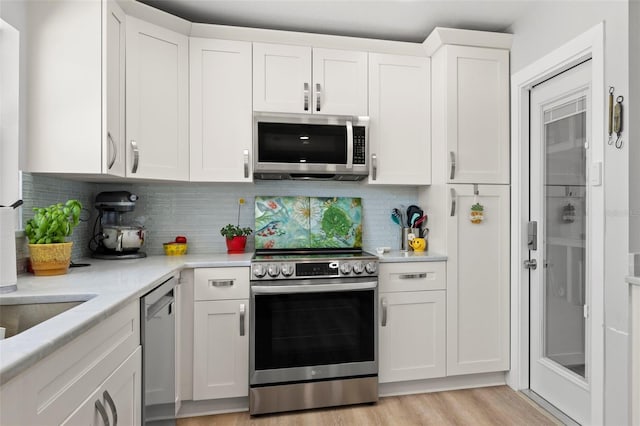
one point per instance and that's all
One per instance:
(531, 264)
(383, 302)
(136, 156)
(452, 156)
(453, 202)
(221, 283)
(318, 95)
(112, 406)
(349, 164)
(114, 150)
(103, 412)
(413, 276)
(306, 96)
(242, 315)
(245, 156)
(374, 166)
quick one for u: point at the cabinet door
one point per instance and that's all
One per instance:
(400, 126)
(221, 349)
(220, 113)
(412, 335)
(113, 161)
(118, 397)
(339, 82)
(281, 78)
(157, 102)
(478, 281)
(477, 130)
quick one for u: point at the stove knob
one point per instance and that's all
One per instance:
(259, 270)
(345, 268)
(273, 269)
(287, 269)
(371, 267)
(358, 268)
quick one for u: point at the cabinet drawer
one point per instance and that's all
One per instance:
(221, 283)
(412, 276)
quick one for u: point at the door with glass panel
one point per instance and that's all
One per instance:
(559, 204)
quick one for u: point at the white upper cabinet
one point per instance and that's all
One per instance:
(400, 119)
(474, 98)
(114, 157)
(220, 110)
(75, 101)
(299, 79)
(157, 145)
(339, 82)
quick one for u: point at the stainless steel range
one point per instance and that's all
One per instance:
(313, 334)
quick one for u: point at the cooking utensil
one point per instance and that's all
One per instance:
(15, 205)
(420, 220)
(396, 216)
(413, 214)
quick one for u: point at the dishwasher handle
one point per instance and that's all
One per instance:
(159, 305)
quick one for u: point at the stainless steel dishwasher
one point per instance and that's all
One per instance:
(158, 355)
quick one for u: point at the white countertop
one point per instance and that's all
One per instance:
(108, 286)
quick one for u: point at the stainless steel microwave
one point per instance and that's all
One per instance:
(307, 147)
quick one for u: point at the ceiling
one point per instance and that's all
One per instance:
(400, 20)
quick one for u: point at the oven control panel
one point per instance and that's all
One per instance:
(278, 270)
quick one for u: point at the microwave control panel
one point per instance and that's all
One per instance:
(359, 145)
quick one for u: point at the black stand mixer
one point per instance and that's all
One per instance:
(112, 238)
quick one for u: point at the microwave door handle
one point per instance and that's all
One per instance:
(349, 144)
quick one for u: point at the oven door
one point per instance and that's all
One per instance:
(313, 330)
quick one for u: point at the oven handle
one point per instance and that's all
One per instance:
(312, 288)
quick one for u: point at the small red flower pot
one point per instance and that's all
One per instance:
(236, 244)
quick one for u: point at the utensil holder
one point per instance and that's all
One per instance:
(404, 238)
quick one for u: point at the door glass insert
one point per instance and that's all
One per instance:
(565, 234)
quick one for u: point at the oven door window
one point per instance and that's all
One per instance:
(296, 143)
(297, 330)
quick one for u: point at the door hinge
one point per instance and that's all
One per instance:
(531, 264)
(585, 311)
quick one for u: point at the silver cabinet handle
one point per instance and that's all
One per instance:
(114, 150)
(136, 156)
(413, 276)
(383, 302)
(103, 412)
(245, 156)
(349, 144)
(452, 156)
(453, 202)
(221, 283)
(374, 166)
(318, 94)
(242, 315)
(306, 96)
(112, 406)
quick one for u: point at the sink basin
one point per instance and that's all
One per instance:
(20, 314)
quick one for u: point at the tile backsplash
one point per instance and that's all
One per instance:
(199, 210)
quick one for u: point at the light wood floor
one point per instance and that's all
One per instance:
(498, 405)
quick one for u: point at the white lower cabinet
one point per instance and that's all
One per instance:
(221, 333)
(100, 368)
(411, 331)
(412, 335)
(478, 281)
(117, 400)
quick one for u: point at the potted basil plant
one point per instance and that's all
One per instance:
(235, 236)
(47, 231)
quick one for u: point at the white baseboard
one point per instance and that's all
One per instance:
(442, 384)
(232, 405)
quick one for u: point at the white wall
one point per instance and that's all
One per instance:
(634, 130)
(545, 27)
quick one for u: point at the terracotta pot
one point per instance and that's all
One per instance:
(50, 259)
(236, 244)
